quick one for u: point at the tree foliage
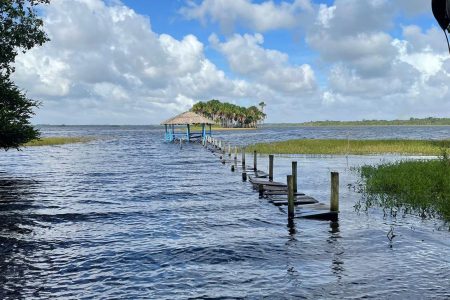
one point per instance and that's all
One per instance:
(229, 115)
(15, 111)
(21, 29)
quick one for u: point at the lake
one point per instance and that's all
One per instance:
(128, 216)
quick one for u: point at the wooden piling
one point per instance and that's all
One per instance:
(232, 168)
(243, 158)
(294, 175)
(229, 150)
(334, 200)
(244, 176)
(291, 199)
(254, 161)
(235, 153)
(261, 190)
(271, 167)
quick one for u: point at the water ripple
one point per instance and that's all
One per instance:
(127, 216)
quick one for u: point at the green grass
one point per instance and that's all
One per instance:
(356, 147)
(416, 186)
(51, 141)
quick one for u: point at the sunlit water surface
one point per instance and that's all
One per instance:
(128, 216)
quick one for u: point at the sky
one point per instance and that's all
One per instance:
(143, 61)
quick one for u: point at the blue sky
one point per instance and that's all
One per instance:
(139, 62)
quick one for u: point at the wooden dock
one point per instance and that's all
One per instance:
(278, 193)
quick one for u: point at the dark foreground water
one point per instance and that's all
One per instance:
(130, 217)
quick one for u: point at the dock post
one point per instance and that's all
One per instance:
(243, 158)
(294, 175)
(271, 167)
(235, 153)
(261, 190)
(334, 201)
(244, 176)
(291, 207)
(254, 161)
(229, 150)
(232, 168)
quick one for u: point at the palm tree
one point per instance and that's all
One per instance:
(262, 104)
(230, 115)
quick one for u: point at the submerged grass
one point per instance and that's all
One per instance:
(415, 186)
(356, 147)
(52, 141)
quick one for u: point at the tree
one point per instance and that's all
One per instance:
(229, 115)
(20, 30)
(15, 111)
(262, 104)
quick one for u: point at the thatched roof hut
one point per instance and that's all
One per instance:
(188, 118)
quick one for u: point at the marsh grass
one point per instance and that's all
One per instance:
(355, 147)
(52, 141)
(421, 187)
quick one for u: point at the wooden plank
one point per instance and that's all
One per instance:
(318, 211)
(304, 199)
(318, 215)
(276, 191)
(285, 203)
(260, 174)
(266, 182)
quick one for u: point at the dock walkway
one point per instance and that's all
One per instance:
(277, 193)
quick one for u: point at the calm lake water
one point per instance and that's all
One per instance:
(128, 216)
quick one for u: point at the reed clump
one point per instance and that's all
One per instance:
(354, 147)
(52, 141)
(421, 186)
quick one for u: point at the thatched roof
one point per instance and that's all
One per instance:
(186, 118)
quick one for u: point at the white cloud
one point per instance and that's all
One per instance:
(247, 57)
(259, 17)
(104, 64)
(370, 71)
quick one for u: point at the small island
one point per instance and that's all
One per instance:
(229, 115)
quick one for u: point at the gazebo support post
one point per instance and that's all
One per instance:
(173, 133)
(166, 136)
(188, 135)
(203, 132)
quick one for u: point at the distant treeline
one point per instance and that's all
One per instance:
(229, 115)
(411, 122)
